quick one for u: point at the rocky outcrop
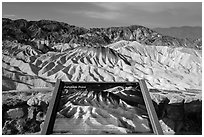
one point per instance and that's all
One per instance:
(59, 32)
(172, 70)
(162, 66)
(178, 113)
(198, 42)
(173, 76)
(24, 113)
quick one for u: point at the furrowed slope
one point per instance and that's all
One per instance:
(173, 76)
(164, 67)
(82, 64)
(59, 32)
(78, 64)
(178, 68)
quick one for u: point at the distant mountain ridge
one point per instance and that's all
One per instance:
(59, 32)
(190, 32)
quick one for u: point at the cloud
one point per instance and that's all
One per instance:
(161, 7)
(112, 6)
(144, 6)
(103, 10)
(102, 15)
(153, 7)
(8, 15)
(151, 14)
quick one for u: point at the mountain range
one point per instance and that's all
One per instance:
(59, 32)
(37, 53)
(182, 32)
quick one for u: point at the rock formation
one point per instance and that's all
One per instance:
(172, 69)
(59, 32)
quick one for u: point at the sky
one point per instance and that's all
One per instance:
(107, 14)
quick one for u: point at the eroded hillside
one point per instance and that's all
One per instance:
(172, 70)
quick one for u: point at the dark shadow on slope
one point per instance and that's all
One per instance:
(12, 85)
(182, 118)
(34, 69)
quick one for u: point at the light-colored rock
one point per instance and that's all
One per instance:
(40, 99)
(167, 126)
(15, 113)
(176, 72)
(163, 67)
(40, 116)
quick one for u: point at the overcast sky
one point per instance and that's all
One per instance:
(96, 14)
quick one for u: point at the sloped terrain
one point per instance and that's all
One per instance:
(189, 32)
(58, 32)
(173, 76)
(164, 67)
(172, 70)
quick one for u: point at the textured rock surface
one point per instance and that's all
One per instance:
(171, 70)
(25, 31)
(180, 118)
(164, 68)
(189, 32)
(15, 113)
(173, 76)
(20, 118)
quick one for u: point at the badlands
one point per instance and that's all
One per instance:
(171, 67)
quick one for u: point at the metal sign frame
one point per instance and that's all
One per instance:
(53, 106)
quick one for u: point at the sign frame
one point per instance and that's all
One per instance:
(53, 106)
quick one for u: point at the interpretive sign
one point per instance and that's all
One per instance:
(101, 108)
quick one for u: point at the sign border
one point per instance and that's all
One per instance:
(53, 106)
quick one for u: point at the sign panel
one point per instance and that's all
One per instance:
(101, 108)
